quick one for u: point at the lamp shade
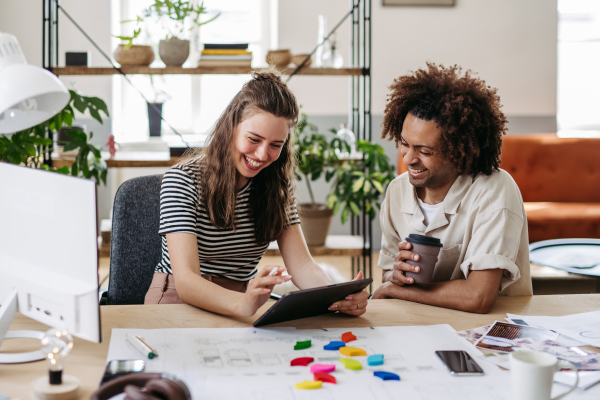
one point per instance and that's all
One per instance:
(29, 95)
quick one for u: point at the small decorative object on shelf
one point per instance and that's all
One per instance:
(134, 55)
(154, 118)
(77, 59)
(298, 58)
(324, 48)
(173, 52)
(348, 137)
(225, 54)
(332, 57)
(280, 58)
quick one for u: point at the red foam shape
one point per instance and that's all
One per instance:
(320, 376)
(302, 361)
(348, 337)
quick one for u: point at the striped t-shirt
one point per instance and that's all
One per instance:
(222, 252)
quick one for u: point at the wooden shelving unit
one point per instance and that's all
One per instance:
(359, 244)
(134, 70)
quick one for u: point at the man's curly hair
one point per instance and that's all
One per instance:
(464, 107)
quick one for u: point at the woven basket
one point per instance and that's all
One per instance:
(135, 55)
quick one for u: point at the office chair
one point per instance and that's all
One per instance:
(135, 243)
(135, 247)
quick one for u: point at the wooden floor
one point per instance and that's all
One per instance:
(545, 280)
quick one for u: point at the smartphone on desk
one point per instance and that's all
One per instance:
(117, 368)
(459, 362)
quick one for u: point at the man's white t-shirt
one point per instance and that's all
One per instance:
(429, 211)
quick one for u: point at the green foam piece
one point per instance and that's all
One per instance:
(351, 364)
(302, 345)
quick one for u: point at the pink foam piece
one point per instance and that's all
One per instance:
(322, 368)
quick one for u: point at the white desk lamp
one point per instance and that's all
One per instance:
(29, 95)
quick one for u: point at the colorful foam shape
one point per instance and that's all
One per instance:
(308, 385)
(351, 364)
(301, 361)
(376, 359)
(325, 378)
(322, 368)
(348, 337)
(386, 376)
(302, 345)
(334, 345)
(352, 351)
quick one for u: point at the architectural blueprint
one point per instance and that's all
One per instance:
(253, 363)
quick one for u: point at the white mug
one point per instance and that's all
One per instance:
(532, 374)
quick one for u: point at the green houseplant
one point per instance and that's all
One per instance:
(176, 17)
(29, 147)
(354, 182)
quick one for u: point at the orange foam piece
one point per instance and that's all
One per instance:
(348, 337)
(301, 361)
(321, 376)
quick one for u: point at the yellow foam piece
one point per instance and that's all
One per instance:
(352, 351)
(309, 385)
(351, 364)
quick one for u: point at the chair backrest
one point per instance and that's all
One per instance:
(135, 243)
(549, 168)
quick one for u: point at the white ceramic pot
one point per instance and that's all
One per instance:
(174, 52)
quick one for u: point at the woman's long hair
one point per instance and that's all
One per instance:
(272, 191)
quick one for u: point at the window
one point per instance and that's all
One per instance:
(578, 59)
(193, 102)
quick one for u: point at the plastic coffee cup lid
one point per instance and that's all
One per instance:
(424, 240)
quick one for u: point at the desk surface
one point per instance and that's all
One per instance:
(87, 360)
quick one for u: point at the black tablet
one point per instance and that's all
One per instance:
(310, 302)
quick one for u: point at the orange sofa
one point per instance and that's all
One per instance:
(560, 183)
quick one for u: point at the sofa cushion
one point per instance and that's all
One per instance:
(549, 220)
(549, 168)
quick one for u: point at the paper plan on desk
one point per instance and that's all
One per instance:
(584, 327)
(255, 363)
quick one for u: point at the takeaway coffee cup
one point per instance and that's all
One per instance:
(532, 374)
(428, 249)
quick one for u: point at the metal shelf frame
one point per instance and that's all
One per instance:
(359, 105)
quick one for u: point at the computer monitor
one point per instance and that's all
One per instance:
(48, 254)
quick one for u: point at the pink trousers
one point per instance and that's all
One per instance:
(162, 289)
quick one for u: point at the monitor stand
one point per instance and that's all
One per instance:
(8, 309)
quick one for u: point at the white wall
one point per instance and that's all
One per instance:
(23, 19)
(512, 44)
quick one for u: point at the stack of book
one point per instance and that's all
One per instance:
(225, 55)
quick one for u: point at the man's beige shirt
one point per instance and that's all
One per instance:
(481, 223)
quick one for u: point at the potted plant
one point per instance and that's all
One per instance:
(355, 182)
(313, 155)
(31, 146)
(176, 17)
(360, 181)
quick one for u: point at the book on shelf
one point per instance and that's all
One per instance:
(225, 46)
(226, 52)
(226, 58)
(225, 63)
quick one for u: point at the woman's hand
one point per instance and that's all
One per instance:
(355, 304)
(259, 289)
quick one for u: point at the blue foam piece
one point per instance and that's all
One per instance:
(376, 359)
(386, 376)
(334, 345)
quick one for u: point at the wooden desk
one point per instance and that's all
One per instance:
(87, 360)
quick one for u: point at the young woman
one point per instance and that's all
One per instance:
(223, 205)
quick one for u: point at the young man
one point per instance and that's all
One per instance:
(449, 128)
